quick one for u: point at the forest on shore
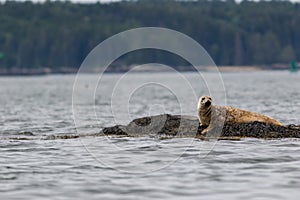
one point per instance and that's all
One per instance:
(61, 34)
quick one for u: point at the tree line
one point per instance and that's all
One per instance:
(60, 34)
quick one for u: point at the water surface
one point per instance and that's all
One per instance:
(33, 108)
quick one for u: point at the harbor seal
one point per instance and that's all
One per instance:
(212, 116)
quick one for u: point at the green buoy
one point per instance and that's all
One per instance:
(293, 67)
(1, 55)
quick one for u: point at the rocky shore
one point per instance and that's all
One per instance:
(167, 126)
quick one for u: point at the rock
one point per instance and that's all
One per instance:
(115, 130)
(260, 130)
(167, 125)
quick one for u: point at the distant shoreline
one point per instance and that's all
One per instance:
(122, 69)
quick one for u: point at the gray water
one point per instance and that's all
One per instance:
(32, 166)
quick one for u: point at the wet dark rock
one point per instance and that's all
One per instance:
(55, 137)
(159, 125)
(261, 130)
(27, 133)
(188, 126)
(115, 130)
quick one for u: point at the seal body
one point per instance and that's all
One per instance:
(235, 115)
(212, 116)
(204, 110)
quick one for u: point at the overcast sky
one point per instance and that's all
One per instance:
(103, 1)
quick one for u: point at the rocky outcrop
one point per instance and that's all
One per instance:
(188, 126)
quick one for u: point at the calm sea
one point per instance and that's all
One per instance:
(33, 165)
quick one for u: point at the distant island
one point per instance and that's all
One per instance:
(122, 69)
(55, 37)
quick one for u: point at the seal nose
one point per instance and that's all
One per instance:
(207, 103)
